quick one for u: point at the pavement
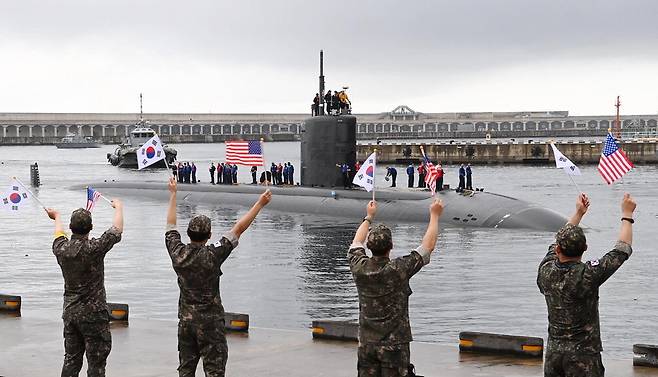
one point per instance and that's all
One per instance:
(147, 348)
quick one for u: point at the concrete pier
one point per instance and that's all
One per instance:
(147, 348)
(499, 152)
(399, 123)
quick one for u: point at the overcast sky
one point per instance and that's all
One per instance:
(262, 56)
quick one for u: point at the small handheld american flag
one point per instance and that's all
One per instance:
(248, 153)
(613, 163)
(92, 197)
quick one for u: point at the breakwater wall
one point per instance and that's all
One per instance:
(496, 152)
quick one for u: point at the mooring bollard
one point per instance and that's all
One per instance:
(236, 322)
(9, 303)
(340, 330)
(477, 342)
(118, 312)
(645, 355)
(34, 175)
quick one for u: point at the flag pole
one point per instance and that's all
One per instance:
(262, 152)
(373, 176)
(575, 184)
(31, 193)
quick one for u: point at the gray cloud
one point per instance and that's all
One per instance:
(412, 45)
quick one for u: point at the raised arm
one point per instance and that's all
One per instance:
(171, 211)
(249, 217)
(627, 208)
(54, 215)
(362, 231)
(432, 233)
(117, 222)
(582, 205)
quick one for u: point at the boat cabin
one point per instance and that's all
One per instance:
(140, 135)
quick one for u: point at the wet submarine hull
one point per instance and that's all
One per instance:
(483, 209)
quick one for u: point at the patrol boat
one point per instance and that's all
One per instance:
(71, 141)
(125, 156)
(328, 140)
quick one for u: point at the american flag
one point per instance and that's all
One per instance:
(431, 174)
(248, 153)
(613, 163)
(92, 197)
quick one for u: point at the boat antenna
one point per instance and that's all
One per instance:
(617, 122)
(141, 114)
(321, 82)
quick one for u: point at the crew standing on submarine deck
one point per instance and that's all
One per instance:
(410, 174)
(469, 177)
(201, 332)
(462, 177)
(86, 316)
(571, 290)
(383, 287)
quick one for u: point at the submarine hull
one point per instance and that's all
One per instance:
(482, 209)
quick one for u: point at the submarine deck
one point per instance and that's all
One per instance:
(34, 347)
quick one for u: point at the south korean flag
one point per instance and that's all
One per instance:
(150, 153)
(365, 177)
(15, 198)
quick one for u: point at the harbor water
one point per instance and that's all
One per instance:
(291, 268)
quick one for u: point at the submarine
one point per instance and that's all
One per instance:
(328, 140)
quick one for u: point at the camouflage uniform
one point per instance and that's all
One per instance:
(571, 290)
(86, 319)
(383, 287)
(200, 311)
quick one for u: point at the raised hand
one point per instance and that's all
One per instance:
(371, 209)
(628, 205)
(117, 204)
(436, 208)
(265, 198)
(582, 204)
(52, 213)
(172, 185)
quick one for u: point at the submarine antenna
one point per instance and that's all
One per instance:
(321, 82)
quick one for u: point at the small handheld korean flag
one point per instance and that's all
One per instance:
(365, 177)
(15, 198)
(150, 153)
(561, 161)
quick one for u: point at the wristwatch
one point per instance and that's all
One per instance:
(367, 219)
(630, 220)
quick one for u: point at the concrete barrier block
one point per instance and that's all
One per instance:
(236, 322)
(645, 355)
(478, 342)
(118, 312)
(341, 330)
(10, 303)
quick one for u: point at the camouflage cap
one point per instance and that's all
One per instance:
(571, 239)
(80, 219)
(380, 238)
(199, 224)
